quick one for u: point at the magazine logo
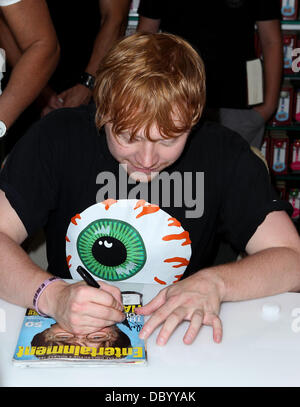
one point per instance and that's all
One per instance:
(296, 321)
(167, 189)
(2, 320)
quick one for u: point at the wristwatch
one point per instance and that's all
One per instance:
(87, 80)
(2, 128)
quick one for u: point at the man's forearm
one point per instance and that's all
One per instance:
(269, 272)
(19, 276)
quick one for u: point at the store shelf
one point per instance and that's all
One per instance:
(292, 77)
(291, 127)
(290, 25)
(287, 177)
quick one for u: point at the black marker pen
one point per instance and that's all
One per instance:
(93, 283)
(87, 277)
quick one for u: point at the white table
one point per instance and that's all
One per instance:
(254, 352)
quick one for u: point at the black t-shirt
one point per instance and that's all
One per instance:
(77, 25)
(223, 33)
(56, 171)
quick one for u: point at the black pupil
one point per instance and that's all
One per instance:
(109, 251)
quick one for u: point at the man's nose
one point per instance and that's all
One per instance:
(147, 156)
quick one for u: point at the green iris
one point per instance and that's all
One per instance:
(111, 249)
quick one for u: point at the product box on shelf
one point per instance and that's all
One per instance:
(281, 189)
(134, 7)
(133, 18)
(289, 9)
(296, 58)
(289, 44)
(279, 153)
(295, 156)
(131, 27)
(265, 148)
(296, 114)
(283, 115)
(294, 200)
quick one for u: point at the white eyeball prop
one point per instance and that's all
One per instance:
(128, 239)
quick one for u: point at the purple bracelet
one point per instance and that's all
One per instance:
(39, 292)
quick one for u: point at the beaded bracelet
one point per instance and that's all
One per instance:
(39, 292)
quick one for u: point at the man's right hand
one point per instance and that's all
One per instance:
(82, 309)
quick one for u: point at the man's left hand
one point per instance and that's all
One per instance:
(196, 299)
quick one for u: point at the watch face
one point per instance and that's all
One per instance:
(2, 128)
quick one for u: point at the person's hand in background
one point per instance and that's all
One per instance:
(75, 96)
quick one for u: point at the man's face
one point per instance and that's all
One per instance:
(143, 155)
(103, 337)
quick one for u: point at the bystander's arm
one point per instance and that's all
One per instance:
(148, 25)
(271, 44)
(114, 14)
(9, 44)
(30, 24)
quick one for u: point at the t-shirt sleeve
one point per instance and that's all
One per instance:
(267, 10)
(30, 176)
(248, 197)
(150, 9)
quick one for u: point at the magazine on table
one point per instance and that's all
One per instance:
(42, 342)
